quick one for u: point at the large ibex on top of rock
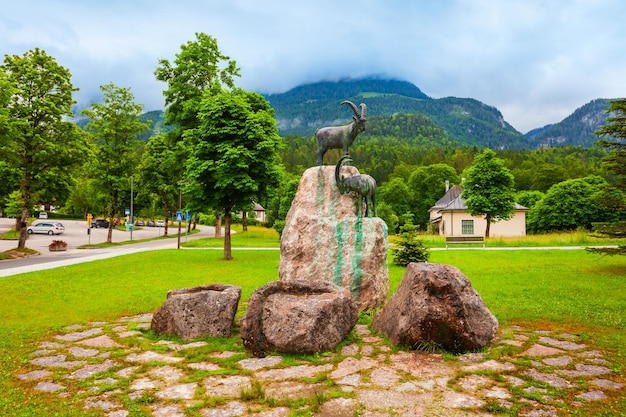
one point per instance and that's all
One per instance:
(340, 137)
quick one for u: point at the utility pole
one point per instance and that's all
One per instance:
(180, 209)
(131, 208)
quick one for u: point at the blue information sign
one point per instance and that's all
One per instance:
(179, 216)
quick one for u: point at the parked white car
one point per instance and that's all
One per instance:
(46, 228)
(43, 215)
(160, 223)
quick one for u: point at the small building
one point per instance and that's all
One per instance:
(259, 213)
(449, 217)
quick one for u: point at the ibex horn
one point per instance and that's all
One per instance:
(352, 106)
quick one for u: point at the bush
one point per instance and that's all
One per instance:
(206, 219)
(279, 225)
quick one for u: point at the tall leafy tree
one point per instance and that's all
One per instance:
(115, 126)
(38, 146)
(489, 189)
(160, 172)
(199, 66)
(233, 154)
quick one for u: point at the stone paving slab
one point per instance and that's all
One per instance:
(111, 365)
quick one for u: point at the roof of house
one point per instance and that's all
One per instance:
(452, 201)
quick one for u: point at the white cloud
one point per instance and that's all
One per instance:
(536, 61)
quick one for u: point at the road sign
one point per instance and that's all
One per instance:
(127, 212)
(188, 216)
(179, 216)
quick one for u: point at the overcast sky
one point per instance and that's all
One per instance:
(535, 60)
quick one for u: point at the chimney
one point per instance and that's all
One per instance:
(447, 185)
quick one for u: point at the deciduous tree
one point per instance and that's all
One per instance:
(161, 171)
(233, 154)
(199, 66)
(489, 189)
(38, 146)
(568, 205)
(115, 126)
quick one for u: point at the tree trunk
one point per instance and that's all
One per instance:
(23, 226)
(244, 221)
(488, 218)
(227, 249)
(167, 211)
(218, 225)
(23, 222)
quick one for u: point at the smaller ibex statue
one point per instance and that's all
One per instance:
(364, 186)
(340, 137)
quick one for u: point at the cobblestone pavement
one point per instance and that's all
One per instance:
(116, 369)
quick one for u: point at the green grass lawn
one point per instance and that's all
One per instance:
(562, 289)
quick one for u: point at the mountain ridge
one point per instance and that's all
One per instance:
(303, 109)
(466, 121)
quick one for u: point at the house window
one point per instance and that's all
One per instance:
(467, 227)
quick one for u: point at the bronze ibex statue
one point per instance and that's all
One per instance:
(340, 137)
(364, 186)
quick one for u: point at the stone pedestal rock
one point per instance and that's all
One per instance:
(207, 310)
(297, 317)
(436, 303)
(324, 240)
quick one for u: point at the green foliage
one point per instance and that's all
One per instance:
(528, 199)
(160, 171)
(428, 185)
(577, 129)
(409, 248)
(39, 147)
(467, 121)
(569, 205)
(488, 189)
(198, 67)
(14, 205)
(279, 204)
(386, 213)
(614, 134)
(279, 226)
(233, 154)
(114, 126)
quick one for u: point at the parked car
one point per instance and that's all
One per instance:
(160, 223)
(46, 228)
(139, 223)
(43, 215)
(100, 223)
(151, 223)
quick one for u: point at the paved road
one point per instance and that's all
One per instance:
(75, 235)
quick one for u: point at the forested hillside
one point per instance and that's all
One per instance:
(304, 109)
(577, 129)
(464, 121)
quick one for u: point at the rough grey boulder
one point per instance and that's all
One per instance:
(324, 240)
(298, 317)
(436, 303)
(189, 313)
